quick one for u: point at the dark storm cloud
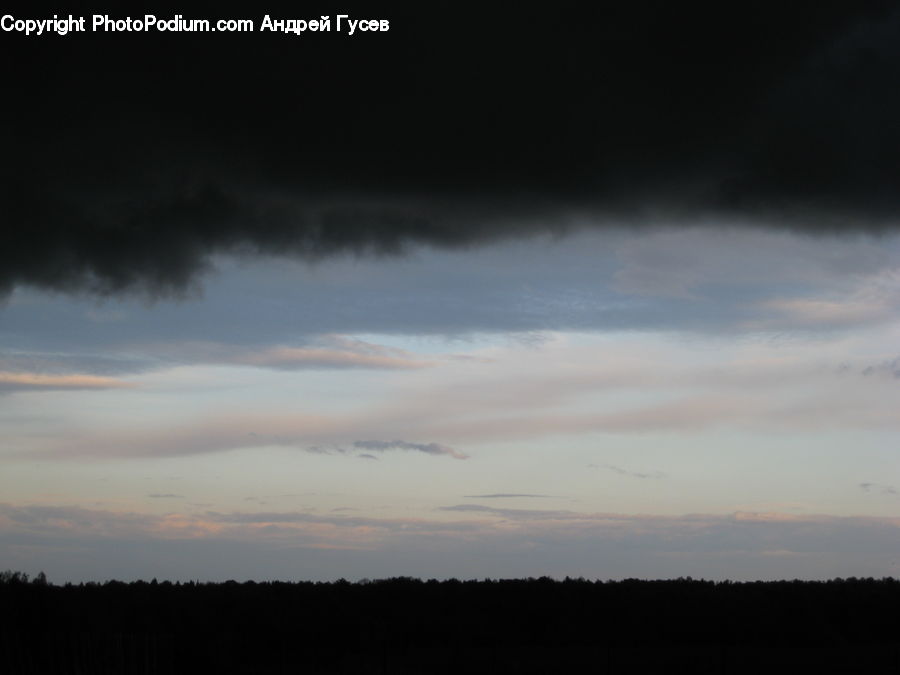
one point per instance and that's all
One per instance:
(130, 160)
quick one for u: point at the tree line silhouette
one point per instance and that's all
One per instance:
(404, 624)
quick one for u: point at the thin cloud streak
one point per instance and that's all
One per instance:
(625, 472)
(435, 449)
(685, 403)
(508, 495)
(748, 532)
(427, 448)
(322, 352)
(513, 514)
(880, 488)
(23, 382)
(295, 358)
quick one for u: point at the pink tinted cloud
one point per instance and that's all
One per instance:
(715, 533)
(325, 352)
(304, 357)
(23, 381)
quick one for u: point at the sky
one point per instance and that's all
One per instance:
(608, 292)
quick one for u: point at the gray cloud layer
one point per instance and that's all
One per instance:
(74, 543)
(705, 279)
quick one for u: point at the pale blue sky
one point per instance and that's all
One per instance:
(616, 403)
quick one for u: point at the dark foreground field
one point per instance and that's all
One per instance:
(405, 625)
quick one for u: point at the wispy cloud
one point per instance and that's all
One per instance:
(812, 312)
(507, 495)
(880, 488)
(734, 545)
(384, 446)
(526, 399)
(427, 448)
(625, 472)
(263, 525)
(318, 352)
(165, 496)
(512, 514)
(375, 428)
(79, 363)
(874, 299)
(296, 358)
(888, 368)
(19, 382)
